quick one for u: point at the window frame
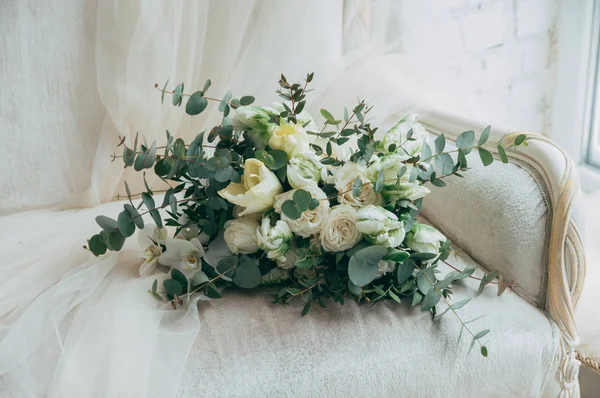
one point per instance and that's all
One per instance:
(576, 111)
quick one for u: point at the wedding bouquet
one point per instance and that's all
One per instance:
(270, 198)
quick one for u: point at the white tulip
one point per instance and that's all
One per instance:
(150, 238)
(291, 138)
(395, 189)
(424, 238)
(339, 231)
(380, 227)
(252, 117)
(305, 169)
(399, 133)
(240, 235)
(310, 221)
(183, 254)
(256, 193)
(344, 178)
(274, 240)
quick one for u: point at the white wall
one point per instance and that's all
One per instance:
(502, 51)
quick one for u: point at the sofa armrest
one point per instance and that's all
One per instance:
(523, 220)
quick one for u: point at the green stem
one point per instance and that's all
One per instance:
(449, 305)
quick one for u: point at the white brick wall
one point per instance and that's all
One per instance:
(502, 51)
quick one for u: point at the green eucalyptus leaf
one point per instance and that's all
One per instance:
(462, 159)
(440, 144)
(279, 157)
(207, 84)
(417, 297)
(502, 154)
(355, 290)
(177, 97)
(162, 93)
(96, 245)
(466, 273)
(126, 225)
(481, 334)
(246, 100)
(484, 351)
(425, 278)
(139, 162)
(163, 166)
(379, 183)
(465, 141)
(173, 287)
(486, 156)
(485, 134)
(302, 199)
(247, 274)
(196, 103)
(520, 139)
(116, 240)
(422, 256)
(227, 267)
(199, 278)
(135, 215)
(362, 267)
(405, 271)
(289, 209)
(150, 156)
(431, 299)
(128, 157)
(107, 223)
(212, 291)
(398, 256)
(179, 277)
(328, 116)
(357, 187)
(150, 205)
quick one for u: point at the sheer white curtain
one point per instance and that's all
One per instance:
(74, 325)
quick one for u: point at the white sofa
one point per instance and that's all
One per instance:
(521, 219)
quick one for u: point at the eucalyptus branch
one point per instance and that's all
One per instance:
(161, 207)
(186, 95)
(509, 285)
(449, 304)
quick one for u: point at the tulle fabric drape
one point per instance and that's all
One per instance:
(76, 326)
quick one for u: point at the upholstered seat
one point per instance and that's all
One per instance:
(249, 347)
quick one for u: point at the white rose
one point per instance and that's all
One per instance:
(183, 254)
(310, 221)
(344, 178)
(305, 169)
(339, 231)
(257, 190)
(274, 240)
(395, 189)
(150, 238)
(290, 138)
(380, 227)
(240, 235)
(424, 238)
(385, 267)
(399, 133)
